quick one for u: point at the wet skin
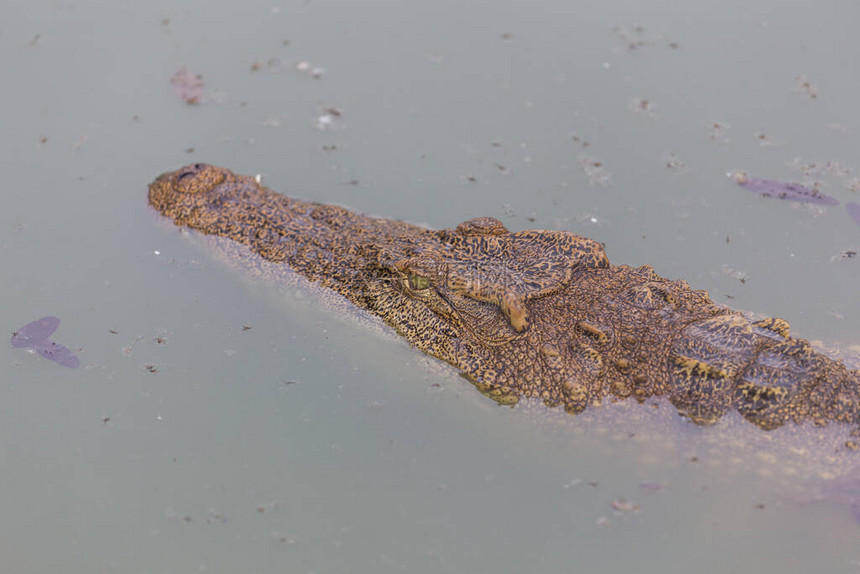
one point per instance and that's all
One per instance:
(528, 314)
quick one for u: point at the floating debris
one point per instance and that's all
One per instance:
(765, 140)
(272, 64)
(672, 161)
(594, 170)
(57, 353)
(855, 512)
(603, 522)
(78, 144)
(314, 72)
(266, 507)
(781, 190)
(188, 85)
(576, 139)
(35, 332)
(815, 168)
(741, 276)
(35, 335)
(282, 537)
(844, 254)
(328, 120)
(622, 505)
(718, 132)
(215, 517)
(805, 88)
(853, 211)
(642, 106)
(635, 38)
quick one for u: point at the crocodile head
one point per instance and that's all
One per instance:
(477, 296)
(531, 313)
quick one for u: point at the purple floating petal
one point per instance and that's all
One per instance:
(188, 85)
(57, 353)
(853, 211)
(781, 190)
(855, 512)
(35, 332)
(651, 486)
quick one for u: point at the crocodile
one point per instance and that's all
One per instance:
(540, 314)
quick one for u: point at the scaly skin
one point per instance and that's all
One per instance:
(528, 314)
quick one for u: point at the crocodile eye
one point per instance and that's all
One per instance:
(417, 282)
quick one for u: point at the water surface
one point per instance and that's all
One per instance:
(219, 424)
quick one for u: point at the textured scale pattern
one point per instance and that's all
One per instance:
(528, 314)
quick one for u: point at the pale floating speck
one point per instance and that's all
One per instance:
(814, 168)
(188, 85)
(594, 170)
(306, 67)
(603, 522)
(718, 132)
(673, 162)
(325, 122)
(765, 140)
(805, 88)
(643, 107)
(622, 505)
(741, 276)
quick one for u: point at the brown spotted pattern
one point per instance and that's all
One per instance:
(528, 314)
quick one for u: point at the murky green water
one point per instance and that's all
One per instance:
(311, 442)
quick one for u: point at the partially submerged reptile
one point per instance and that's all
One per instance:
(529, 314)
